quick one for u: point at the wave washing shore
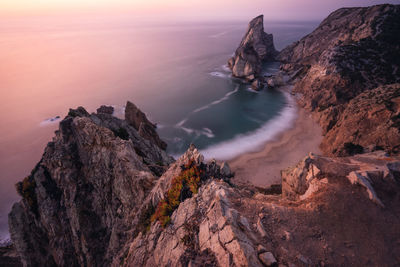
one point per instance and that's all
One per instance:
(254, 141)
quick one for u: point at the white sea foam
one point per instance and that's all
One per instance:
(254, 140)
(218, 34)
(225, 68)
(205, 131)
(225, 97)
(201, 108)
(160, 126)
(50, 121)
(219, 74)
(251, 90)
(182, 122)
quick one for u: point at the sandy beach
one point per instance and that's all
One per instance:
(263, 168)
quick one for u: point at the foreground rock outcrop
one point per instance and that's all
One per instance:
(340, 70)
(255, 48)
(103, 196)
(78, 200)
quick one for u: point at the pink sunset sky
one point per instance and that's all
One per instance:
(185, 9)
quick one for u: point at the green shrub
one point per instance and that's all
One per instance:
(182, 187)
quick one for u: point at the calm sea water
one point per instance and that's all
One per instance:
(175, 73)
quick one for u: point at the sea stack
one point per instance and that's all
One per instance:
(255, 48)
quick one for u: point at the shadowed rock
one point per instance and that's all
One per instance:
(135, 117)
(105, 109)
(88, 183)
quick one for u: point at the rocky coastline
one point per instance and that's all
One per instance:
(106, 193)
(350, 80)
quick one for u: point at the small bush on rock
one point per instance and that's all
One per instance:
(182, 187)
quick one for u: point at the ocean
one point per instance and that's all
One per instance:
(174, 72)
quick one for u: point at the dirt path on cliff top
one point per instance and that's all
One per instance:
(263, 168)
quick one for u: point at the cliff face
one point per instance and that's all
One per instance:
(370, 120)
(136, 118)
(78, 200)
(255, 47)
(96, 198)
(308, 225)
(352, 51)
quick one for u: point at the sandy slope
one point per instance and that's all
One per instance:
(263, 168)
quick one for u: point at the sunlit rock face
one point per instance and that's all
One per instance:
(255, 47)
(352, 51)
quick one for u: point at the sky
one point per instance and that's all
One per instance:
(185, 9)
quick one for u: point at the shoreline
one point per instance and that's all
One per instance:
(262, 168)
(253, 141)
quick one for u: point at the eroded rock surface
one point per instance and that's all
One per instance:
(91, 201)
(255, 48)
(342, 66)
(78, 200)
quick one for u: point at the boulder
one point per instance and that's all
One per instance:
(275, 81)
(226, 170)
(257, 85)
(267, 258)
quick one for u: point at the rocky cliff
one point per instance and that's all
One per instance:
(255, 48)
(106, 193)
(340, 70)
(78, 201)
(95, 200)
(136, 118)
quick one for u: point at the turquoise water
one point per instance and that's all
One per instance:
(234, 110)
(174, 72)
